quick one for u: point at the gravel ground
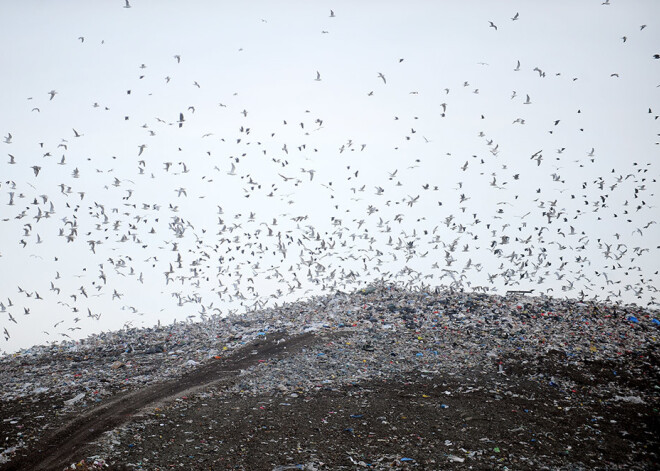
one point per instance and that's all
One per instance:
(380, 378)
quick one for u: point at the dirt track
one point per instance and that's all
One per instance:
(65, 445)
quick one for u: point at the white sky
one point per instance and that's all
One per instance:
(263, 57)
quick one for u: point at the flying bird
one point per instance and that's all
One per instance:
(380, 75)
(492, 25)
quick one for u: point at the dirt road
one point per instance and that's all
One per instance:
(65, 445)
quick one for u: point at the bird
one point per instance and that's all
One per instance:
(517, 69)
(332, 14)
(318, 76)
(380, 75)
(181, 120)
(515, 17)
(126, 4)
(52, 94)
(8, 138)
(492, 25)
(528, 101)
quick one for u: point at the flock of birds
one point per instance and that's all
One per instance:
(246, 216)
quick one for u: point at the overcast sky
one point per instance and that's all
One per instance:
(498, 145)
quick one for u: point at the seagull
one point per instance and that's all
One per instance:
(517, 69)
(332, 14)
(318, 76)
(141, 146)
(8, 138)
(52, 94)
(127, 5)
(380, 75)
(515, 17)
(181, 120)
(178, 58)
(492, 25)
(528, 101)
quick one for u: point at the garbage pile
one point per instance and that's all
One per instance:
(379, 332)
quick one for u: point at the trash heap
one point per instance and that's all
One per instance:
(376, 333)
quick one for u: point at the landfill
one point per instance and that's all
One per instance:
(380, 378)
